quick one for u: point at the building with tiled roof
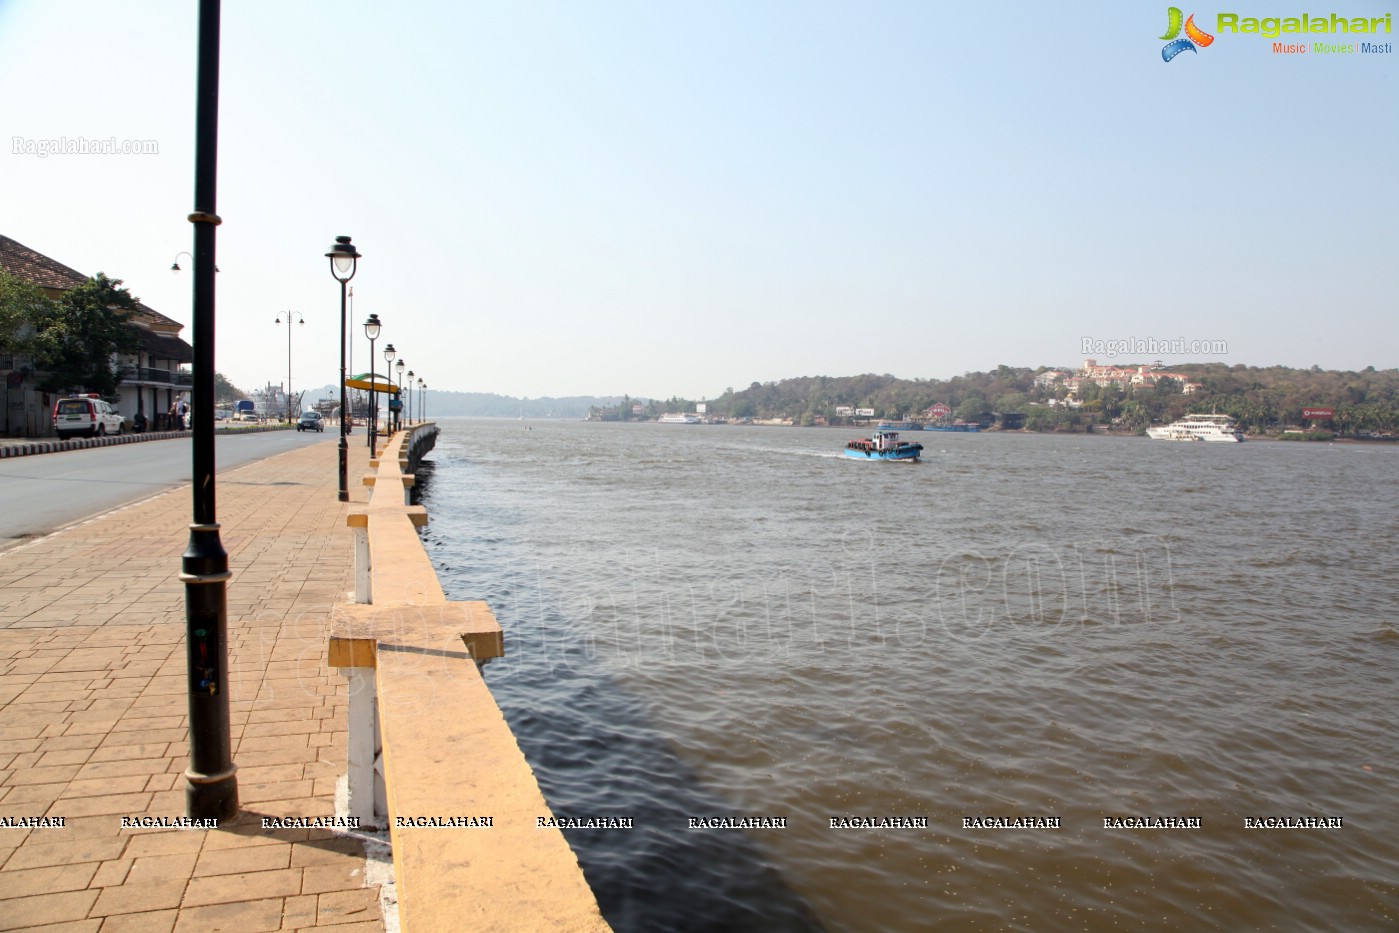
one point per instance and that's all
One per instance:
(153, 377)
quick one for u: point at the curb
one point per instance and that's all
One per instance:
(50, 447)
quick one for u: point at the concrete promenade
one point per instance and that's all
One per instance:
(93, 715)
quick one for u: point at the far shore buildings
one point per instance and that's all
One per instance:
(153, 378)
(1123, 377)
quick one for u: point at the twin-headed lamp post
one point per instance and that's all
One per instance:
(371, 330)
(344, 259)
(290, 315)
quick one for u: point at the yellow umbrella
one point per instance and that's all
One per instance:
(381, 383)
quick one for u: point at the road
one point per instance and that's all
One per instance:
(45, 492)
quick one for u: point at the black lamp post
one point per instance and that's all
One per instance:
(302, 321)
(344, 259)
(422, 399)
(399, 366)
(389, 354)
(410, 397)
(371, 330)
(211, 780)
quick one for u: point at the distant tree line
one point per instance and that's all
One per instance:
(1260, 398)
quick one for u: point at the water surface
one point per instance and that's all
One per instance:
(733, 621)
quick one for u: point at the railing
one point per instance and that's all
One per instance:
(165, 376)
(462, 804)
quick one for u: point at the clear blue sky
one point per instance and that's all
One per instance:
(658, 198)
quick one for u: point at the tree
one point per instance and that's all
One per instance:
(972, 408)
(22, 306)
(225, 391)
(76, 342)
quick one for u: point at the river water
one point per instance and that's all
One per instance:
(710, 622)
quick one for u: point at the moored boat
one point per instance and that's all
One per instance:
(885, 445)
(1198, 427)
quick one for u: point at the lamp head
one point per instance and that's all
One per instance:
(343, 259)
(371, 327)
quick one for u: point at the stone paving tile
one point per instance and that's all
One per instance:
(139, 898)
(243, 860)
(156, 921)
(94, 718)
(49, 880)
(347, 906)
(240, 917)
(27, 913)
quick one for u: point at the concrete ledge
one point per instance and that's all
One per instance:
(445, 629)
(53, 445)
(446, 750)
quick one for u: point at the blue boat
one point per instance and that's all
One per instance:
(885, 445)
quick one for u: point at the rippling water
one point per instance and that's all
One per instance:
(732, 621)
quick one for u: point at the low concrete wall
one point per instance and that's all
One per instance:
(462, 804)
(25, 448)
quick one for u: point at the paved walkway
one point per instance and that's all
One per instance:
(93, 716)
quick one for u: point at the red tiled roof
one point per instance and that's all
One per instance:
(34, 267)
(24, 263)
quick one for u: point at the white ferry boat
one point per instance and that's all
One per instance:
(1198, 428)
(679, 418)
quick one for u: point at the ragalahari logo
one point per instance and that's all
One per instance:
(1175, 46)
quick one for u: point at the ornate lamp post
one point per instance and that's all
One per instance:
(389, 354)
(422, 399)
(299, 320)
(211, 780)
(410, 396)
(344, 259)
(399, 366)
(371, 330)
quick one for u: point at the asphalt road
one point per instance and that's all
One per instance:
(42, 493)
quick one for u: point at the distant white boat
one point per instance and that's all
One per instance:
(680, 418)
(1198, 428)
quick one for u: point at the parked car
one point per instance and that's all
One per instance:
(86, 415)
(311, 421)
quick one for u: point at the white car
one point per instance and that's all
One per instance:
(87, 416)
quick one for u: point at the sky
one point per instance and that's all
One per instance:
(587, 197)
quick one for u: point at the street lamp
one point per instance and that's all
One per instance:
(371, 330)
(422, 399)
(344, 259)
(389, 354)
(211, 780)
(399, 366)
(299, 320)
(410, 396)
(175, 266)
